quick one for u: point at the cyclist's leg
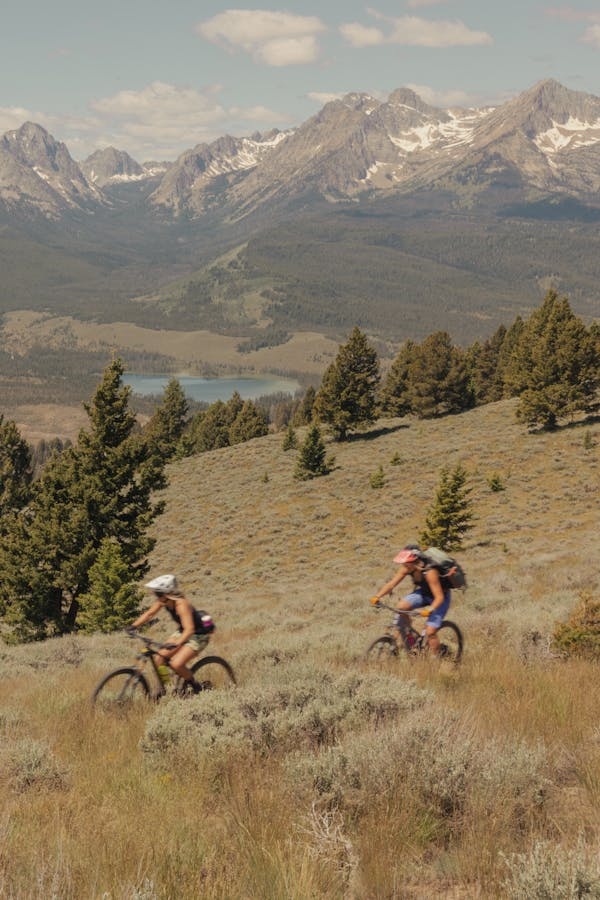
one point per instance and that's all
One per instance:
(179, 661)
(411, 601)
(433, 623)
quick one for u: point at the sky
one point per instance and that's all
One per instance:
(157, 78)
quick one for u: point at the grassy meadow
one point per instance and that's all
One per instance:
(321, 776)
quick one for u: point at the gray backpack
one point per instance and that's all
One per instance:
(450, 569)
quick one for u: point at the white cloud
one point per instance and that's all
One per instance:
(269, 37)
(12, 117)
(359, 35)
(444, 99)
(158, 122)
(324, 97)
(416, 32)
(592, 36)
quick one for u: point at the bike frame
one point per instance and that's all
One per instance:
(148, 654)
(402, 633)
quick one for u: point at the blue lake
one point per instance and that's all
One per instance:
(208, 390)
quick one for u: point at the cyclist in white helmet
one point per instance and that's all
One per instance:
(193, 626)
(430, 593)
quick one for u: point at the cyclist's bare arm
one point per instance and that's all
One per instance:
(150, 613)
(389, 587)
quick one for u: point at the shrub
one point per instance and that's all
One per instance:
(378, 478)
(588, 441)
(303, 706)
(580, 635)
(495, 483)
(31, 764)
(548, 872)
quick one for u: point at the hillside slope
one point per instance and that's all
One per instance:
(238, 540)
(322, 771)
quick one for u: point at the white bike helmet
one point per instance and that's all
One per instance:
(164, 584)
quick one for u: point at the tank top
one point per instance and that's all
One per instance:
(198, 626)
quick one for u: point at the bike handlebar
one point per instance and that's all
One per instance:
(155, 645)
(405, 612)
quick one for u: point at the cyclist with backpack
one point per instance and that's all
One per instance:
(430, 594)
(193, 627)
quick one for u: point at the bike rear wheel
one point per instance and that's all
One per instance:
(211, 673)
(384, 648)
(451, 641)
(121, 689)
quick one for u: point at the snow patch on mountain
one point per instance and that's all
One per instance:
(570, 134)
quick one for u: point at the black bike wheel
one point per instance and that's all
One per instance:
(451, 641)
(121, 689)
(382, 649)
(213, 673)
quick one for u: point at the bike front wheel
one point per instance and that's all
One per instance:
(384, 648)
(451, 641)
(212, 673)
(122, 689)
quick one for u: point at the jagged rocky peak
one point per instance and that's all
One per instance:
(32, 145)
(405, 97)
(54, 180)
(548, 137)
(546, 104)
(259, 138)
(110, 164)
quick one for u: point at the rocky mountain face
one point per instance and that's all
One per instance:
(545, 141)
(38, 175)
(200, 177)
(111, 166)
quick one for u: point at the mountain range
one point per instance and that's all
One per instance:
(535, 158)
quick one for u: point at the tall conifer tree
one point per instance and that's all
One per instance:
(554, 368)
(15, 468)
(100, 488)
(347, 397)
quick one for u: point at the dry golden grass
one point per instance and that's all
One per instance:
(320, 777)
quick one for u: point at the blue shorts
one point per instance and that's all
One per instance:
(416, 599)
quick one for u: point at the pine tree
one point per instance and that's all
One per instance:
(15, 469)
(112, 601)
(483, 364)
(250, 422)
(99, 488)
(450, 517)
(311, 460)
(290, 439)
(166, 427)
(209, 429)
(347, 397)
(304, 413)
(555, 366)
(438, 378)
(395, 397)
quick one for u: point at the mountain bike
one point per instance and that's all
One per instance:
(144, 681)
(401, 635)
